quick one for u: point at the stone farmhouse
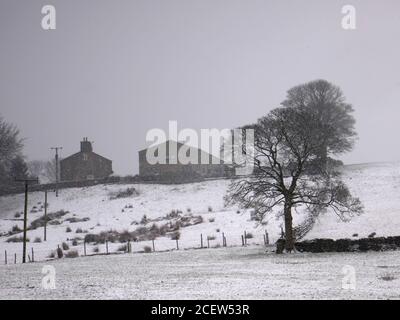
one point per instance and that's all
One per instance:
(85, 165)
(178, 172)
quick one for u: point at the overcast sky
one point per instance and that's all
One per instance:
(112, 70)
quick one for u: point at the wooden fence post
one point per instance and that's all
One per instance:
(242, 241)
(154, 248)
(177, 244)
(225, 241)
(106, 246)
(245, 238)
(128, 249)
(265, 240)
(33, 255)
(84, 247)
(208, 242)
(5, 256)
(201, 240)
(266, 237)
(15, 258)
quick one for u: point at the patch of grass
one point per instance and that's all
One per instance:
(75, 220)
(123, 193)
(388, 277)
(51, 219)
(211, 220)
(68, 229)
(96, 250)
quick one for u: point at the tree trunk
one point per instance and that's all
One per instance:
(289, 241)
(324, 158)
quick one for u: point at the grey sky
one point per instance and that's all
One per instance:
(114, 69)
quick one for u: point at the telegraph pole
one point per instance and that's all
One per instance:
(27, 182)
(56, 157)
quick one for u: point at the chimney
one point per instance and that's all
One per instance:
(86, 146)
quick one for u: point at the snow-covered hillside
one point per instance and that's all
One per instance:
(377, 185)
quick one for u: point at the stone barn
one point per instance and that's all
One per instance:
(85, 165)
(178, 172)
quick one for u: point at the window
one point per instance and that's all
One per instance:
(85, 157)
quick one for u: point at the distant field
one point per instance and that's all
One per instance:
(225, 273)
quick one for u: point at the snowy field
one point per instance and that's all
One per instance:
(234, 272)
(225, 273)
(377, 185)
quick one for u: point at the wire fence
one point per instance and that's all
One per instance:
(69, 249)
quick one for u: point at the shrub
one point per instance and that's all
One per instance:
(147, 249)
(217, 230)
(68, 229)
(189, 210)
(124, 248)
(74, 242)
(96, 249)
(211, 237)
(79, 230)
(210, 209)
(211, 220)
(51, 255)
(237, 211)
(65, 246)
(72, 254)
(17, 239)
(37, 240)
(17, 215)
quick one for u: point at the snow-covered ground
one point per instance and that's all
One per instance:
(234, 272)
(224, 273)
(377, 185)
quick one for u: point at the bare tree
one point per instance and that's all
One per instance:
(45, 170)
(10, 148)
(287, 140)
